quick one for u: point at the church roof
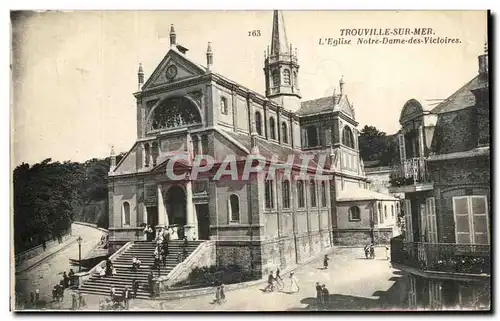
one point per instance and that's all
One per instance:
(326, 104)
(460, 99)
(361, 194)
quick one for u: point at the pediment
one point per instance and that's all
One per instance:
(346, 108)
(179, 67)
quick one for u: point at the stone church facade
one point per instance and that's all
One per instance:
(186, 109)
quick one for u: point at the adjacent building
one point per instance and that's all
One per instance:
(445, 176)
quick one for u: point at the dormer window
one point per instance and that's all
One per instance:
(223, 105)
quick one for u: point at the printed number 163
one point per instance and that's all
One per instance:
(254, 33)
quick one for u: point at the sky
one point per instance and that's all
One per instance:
(74, 73)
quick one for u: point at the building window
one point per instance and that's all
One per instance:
(471, 220)
(347, 137)
(195, 141)
(312, 136)
(223, 105)
(323, 194)
(392, 211)
(272, 128)
(300, 194)
(284, 133)
(285, 189)
(354, 214)
(234, 207)
(269, 194)
(286, 77)
(276, 78)
(380, 214)
(312, 192)
(385, 211)
(204, 144)
(258, 123)
(126, 214)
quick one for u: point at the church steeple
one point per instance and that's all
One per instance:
(281, 67)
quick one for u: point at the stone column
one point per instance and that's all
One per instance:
(162, 212)
(190, 228)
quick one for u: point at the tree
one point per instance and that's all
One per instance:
(376, 145)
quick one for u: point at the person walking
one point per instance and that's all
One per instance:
(326, 296)
(325, 262)
(372, 251)
(319, 296)
(270, 282)
(294, 286)
(367, 251)
(222, 293)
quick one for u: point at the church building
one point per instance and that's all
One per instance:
(260, 222)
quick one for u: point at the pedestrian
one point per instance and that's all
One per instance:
(222, 293)
(294, 286)
(372, 251)
(150, 282)
(217, 294)
(319, 296)
(74, 301)
(66, 280)
(270, 282)
(54, 293)
(126, 297)
(135, 287)
(185, 241)
(278, 274)
(37, 297)
(325, 262)
(367, 251)
(386, 252)
(326, 295)
(61, 291)
(32, 299)
(44, 244)
(164, 257)
(71, 273)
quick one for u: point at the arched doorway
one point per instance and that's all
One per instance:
(176, 208)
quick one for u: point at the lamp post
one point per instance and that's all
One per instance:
(79, 240)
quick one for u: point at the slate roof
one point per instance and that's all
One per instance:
(460, 99)
(361, 194)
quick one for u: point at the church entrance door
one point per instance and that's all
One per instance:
(203, 221)
(176, 208)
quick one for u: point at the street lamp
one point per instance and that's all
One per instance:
(79, 240)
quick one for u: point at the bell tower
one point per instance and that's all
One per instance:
(281, 68)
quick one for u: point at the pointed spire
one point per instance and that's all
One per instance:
(112, 152)
(341, 85)
(172, 36)
(112, 164)
(210, 56)
(279, 41)
(140, 76)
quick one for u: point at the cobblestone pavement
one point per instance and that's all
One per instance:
(48, 273)
(354, 283)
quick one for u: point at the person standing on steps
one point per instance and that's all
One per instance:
(135, 287)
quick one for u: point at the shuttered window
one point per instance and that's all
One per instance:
(471, 220)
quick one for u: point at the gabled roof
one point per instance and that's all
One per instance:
(326, 104)
(460, 99)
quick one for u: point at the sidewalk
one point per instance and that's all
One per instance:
(34, 261)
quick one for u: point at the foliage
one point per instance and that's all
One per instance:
(48, 195)
(210, 275)
(376, 145)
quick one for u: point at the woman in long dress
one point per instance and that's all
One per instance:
(294, 286)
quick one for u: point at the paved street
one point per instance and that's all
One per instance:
(354, 283)
(48, 273)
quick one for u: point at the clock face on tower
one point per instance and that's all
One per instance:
(171, 72)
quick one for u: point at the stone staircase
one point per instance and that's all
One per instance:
(125, 275)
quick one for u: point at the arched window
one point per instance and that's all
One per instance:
(272, 128)
(204, 144)
(234, 207)
(300, 194)
(286, 77)
(397, 208)
(175, 112)
(392, 211)
(323, 194)
(284, 133)
(312, 136)
(147, 155)
(258, 123)
(347, 137)
(354, 214)
(380, 213)
(195, 141)
(295, 79)
(385, 211)
(126, 214)
(269, 191)
(285, 189)
(276, 78)
(312, 192)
